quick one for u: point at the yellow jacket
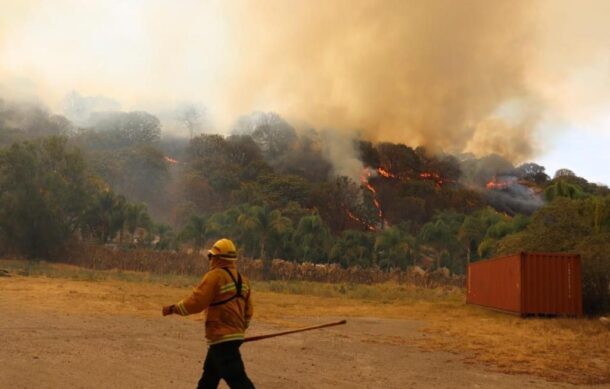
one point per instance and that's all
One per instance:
(227, 320)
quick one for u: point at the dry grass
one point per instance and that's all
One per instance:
(191, 263)
(569, 350)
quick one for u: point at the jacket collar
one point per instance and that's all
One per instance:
(216, 263)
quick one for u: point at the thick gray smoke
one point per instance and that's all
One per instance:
(473, 75)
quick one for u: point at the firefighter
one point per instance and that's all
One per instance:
(225, 293)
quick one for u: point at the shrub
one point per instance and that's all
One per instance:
(595, 253)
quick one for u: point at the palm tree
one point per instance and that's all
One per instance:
(223, 224)
(353, 248)
(136, 215)
(106, 216)
(394, 247)
(438, 235)
(195, 231)
(473, 229)
(166, 237)
(311, 238)
(259, 225)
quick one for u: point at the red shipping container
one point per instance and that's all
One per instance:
(528, 284)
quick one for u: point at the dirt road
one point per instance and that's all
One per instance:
(44, 346)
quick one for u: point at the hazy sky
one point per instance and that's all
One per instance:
(527, 79)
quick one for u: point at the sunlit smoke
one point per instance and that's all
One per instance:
(436, 73)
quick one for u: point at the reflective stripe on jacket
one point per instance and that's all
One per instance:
(224, 322)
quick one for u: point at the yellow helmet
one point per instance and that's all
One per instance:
(224, 249)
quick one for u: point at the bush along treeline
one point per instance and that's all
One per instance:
(282, 193)
(48, 198)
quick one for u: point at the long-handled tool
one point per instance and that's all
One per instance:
(272, 335)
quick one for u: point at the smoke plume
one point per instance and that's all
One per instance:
(437, 73)
(424, 73)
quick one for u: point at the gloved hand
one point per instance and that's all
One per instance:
(168, 310)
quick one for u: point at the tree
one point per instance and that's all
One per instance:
(312, 239)
(44, 192)
(399, 159)
(28, 121)
(441, 234)
(279, 190)
(353, 248)
(106, 216)
(166, 239)
(336, 200)
(79, 108)
(498, 228)
(209, 157)
(572, 225)
(196, 231)
(395, 248)
(192, 116)
(223, 224)
(136, 216)
(261, 226)
(274, 135)
(119, 130)
(368, 153)
(242, 150)
(562, 189)
(471, 233)
(564, 173)
(533, 172)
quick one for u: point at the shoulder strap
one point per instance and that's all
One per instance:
(238, 285)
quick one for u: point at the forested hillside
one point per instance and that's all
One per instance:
(306, 195)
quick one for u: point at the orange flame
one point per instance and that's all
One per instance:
(438, 180)
(498, 184)
(364, 179)
(383, 172)
(170, 160)
(354, 217)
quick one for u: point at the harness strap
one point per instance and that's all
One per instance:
(238, 285)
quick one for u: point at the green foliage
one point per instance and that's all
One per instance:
(29, 121)
(498, 230)
(109, 214)
(273, 191)
(312, 239)
(120, 130)
(473, 230)
(441, 235)
(595, 251)
(264, 229)
(335, 199)
(196, 231)
(279, 190)
(166, 238)
(136, 216)
(272, 134)
(562, 188)
(48, 196)
(123, 149)
(580, 225)
(44, 191)
(533, 172)
(394, 248)
(353, 248)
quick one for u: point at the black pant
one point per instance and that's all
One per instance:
(224, 361)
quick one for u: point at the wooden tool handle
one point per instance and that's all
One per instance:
(272, 335)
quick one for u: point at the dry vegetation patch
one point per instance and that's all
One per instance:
(567, 350)
(572, 350)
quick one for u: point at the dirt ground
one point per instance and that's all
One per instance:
(62, 333)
